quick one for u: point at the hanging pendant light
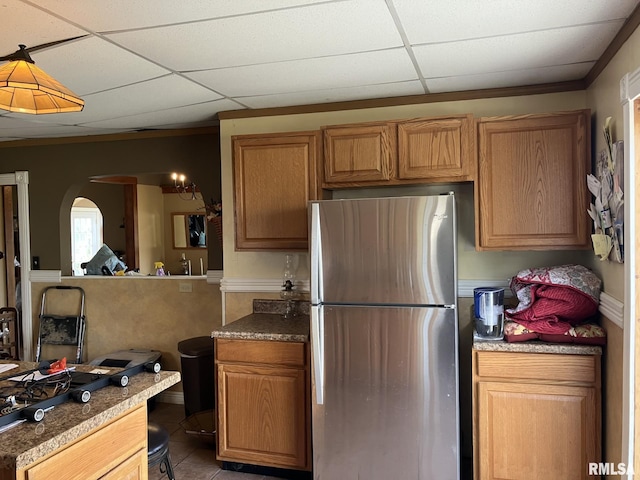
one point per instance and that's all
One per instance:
(25, 88)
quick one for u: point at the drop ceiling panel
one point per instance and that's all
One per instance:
(513, 78)
(398, 89)
(145, 97)
(161, 63)
(44, 130)
(93, 65)
(303, 75)
(515, 52)
(313, 31)
(203, 113)
(101, 16)
(24, 24)
(445, 21)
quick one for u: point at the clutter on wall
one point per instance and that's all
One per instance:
(607, 208)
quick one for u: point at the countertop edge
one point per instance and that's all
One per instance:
(537, 347)
(61, 440)
(266, 326)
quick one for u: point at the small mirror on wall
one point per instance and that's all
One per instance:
(189, 230)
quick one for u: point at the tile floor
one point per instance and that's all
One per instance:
(193, 458)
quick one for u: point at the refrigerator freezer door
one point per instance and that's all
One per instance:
(390, 395)
(398, 251)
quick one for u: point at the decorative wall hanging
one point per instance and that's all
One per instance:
(607, 208)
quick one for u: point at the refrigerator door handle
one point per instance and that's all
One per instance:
(317, 336)
(316, 256)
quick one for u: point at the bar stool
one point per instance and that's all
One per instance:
(158, 449)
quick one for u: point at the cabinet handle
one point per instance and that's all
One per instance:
(317, 337)
(316, 257)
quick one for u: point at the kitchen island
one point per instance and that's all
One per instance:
(103, 438)
(263, 393)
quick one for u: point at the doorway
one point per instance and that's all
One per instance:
(86, 233)
(20, 245)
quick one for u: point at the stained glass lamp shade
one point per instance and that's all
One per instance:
(25, 88)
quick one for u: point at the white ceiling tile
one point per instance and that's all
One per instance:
(335, 95)
(101, 16)
(514, 78)
(237, 54)
(152, 95)
(445, 21)
(514, 52)
(305, 75)
(41, 130)
(313, 31)
(192, 114)
(24, 24)
(96, 65)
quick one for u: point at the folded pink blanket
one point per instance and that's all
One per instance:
(553, 299)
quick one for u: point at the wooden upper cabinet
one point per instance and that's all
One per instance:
(358, 153)
(275, 175)
(424, 150)
(438, 148)
(531, 189)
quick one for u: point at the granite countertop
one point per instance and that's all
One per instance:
(267, 322)
(24, 444)
(536, 346)
(266, 326)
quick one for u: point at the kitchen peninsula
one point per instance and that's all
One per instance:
(104, 438)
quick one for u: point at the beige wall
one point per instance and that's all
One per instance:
(612, 394)
(603, 97)
(151, 227)
(147, 313)
(174, 203)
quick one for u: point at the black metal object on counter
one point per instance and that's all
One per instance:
(80, 386)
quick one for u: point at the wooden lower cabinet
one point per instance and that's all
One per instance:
(117, 450)
(535, 415)
(131, 469)
(263, 403)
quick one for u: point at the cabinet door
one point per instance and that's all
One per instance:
(135, 468)
(532, 431)
(532, 192)
(98, 454)
(262, 415)
(358, 154)
(437, 148)
(274, 178)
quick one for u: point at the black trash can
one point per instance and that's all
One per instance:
(196, 359)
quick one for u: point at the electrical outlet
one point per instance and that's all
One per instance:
(185, 287)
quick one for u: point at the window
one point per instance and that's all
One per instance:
(86, 232)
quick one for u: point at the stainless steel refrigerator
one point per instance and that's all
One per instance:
(384, 329)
